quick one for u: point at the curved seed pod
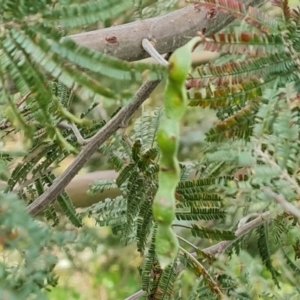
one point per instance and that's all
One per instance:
(166, 242)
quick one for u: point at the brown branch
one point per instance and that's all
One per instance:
(169, 32)
(118, 121)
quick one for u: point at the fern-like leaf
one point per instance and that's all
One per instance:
(66, 205)
(265, 252)
(213, 234)
(201, 214)
(111, 212)
(84, 14)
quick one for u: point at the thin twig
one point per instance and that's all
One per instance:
(287, 206)
(239, 233)
(80, 139)
(137, 295)
(187, 242)
(200, 268)
(118, 121)
(245, 219)
(148, 46)
(182, 226)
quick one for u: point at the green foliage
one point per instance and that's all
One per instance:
(214, 234)
(234, 226)
(153, 8)
(66, 205)
(110, 213)
(28, 248)
(83, 14)
(32, 47)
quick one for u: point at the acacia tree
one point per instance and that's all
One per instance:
(247, 180)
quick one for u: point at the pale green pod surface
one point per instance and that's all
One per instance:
(164, 207)
(175, 103)
(169, 174)
(166, 244)
(166, 142)
(167, 137)
(180, 62)
(178, 67)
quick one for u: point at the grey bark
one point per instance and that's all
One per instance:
(169, 31)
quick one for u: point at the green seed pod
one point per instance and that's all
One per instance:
(168, 135)
(164, 208)
(180, 61)
(167, 248)
(167, 138)
(175, 108)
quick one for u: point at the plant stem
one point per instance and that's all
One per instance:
(187, 242)
(202, 271)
